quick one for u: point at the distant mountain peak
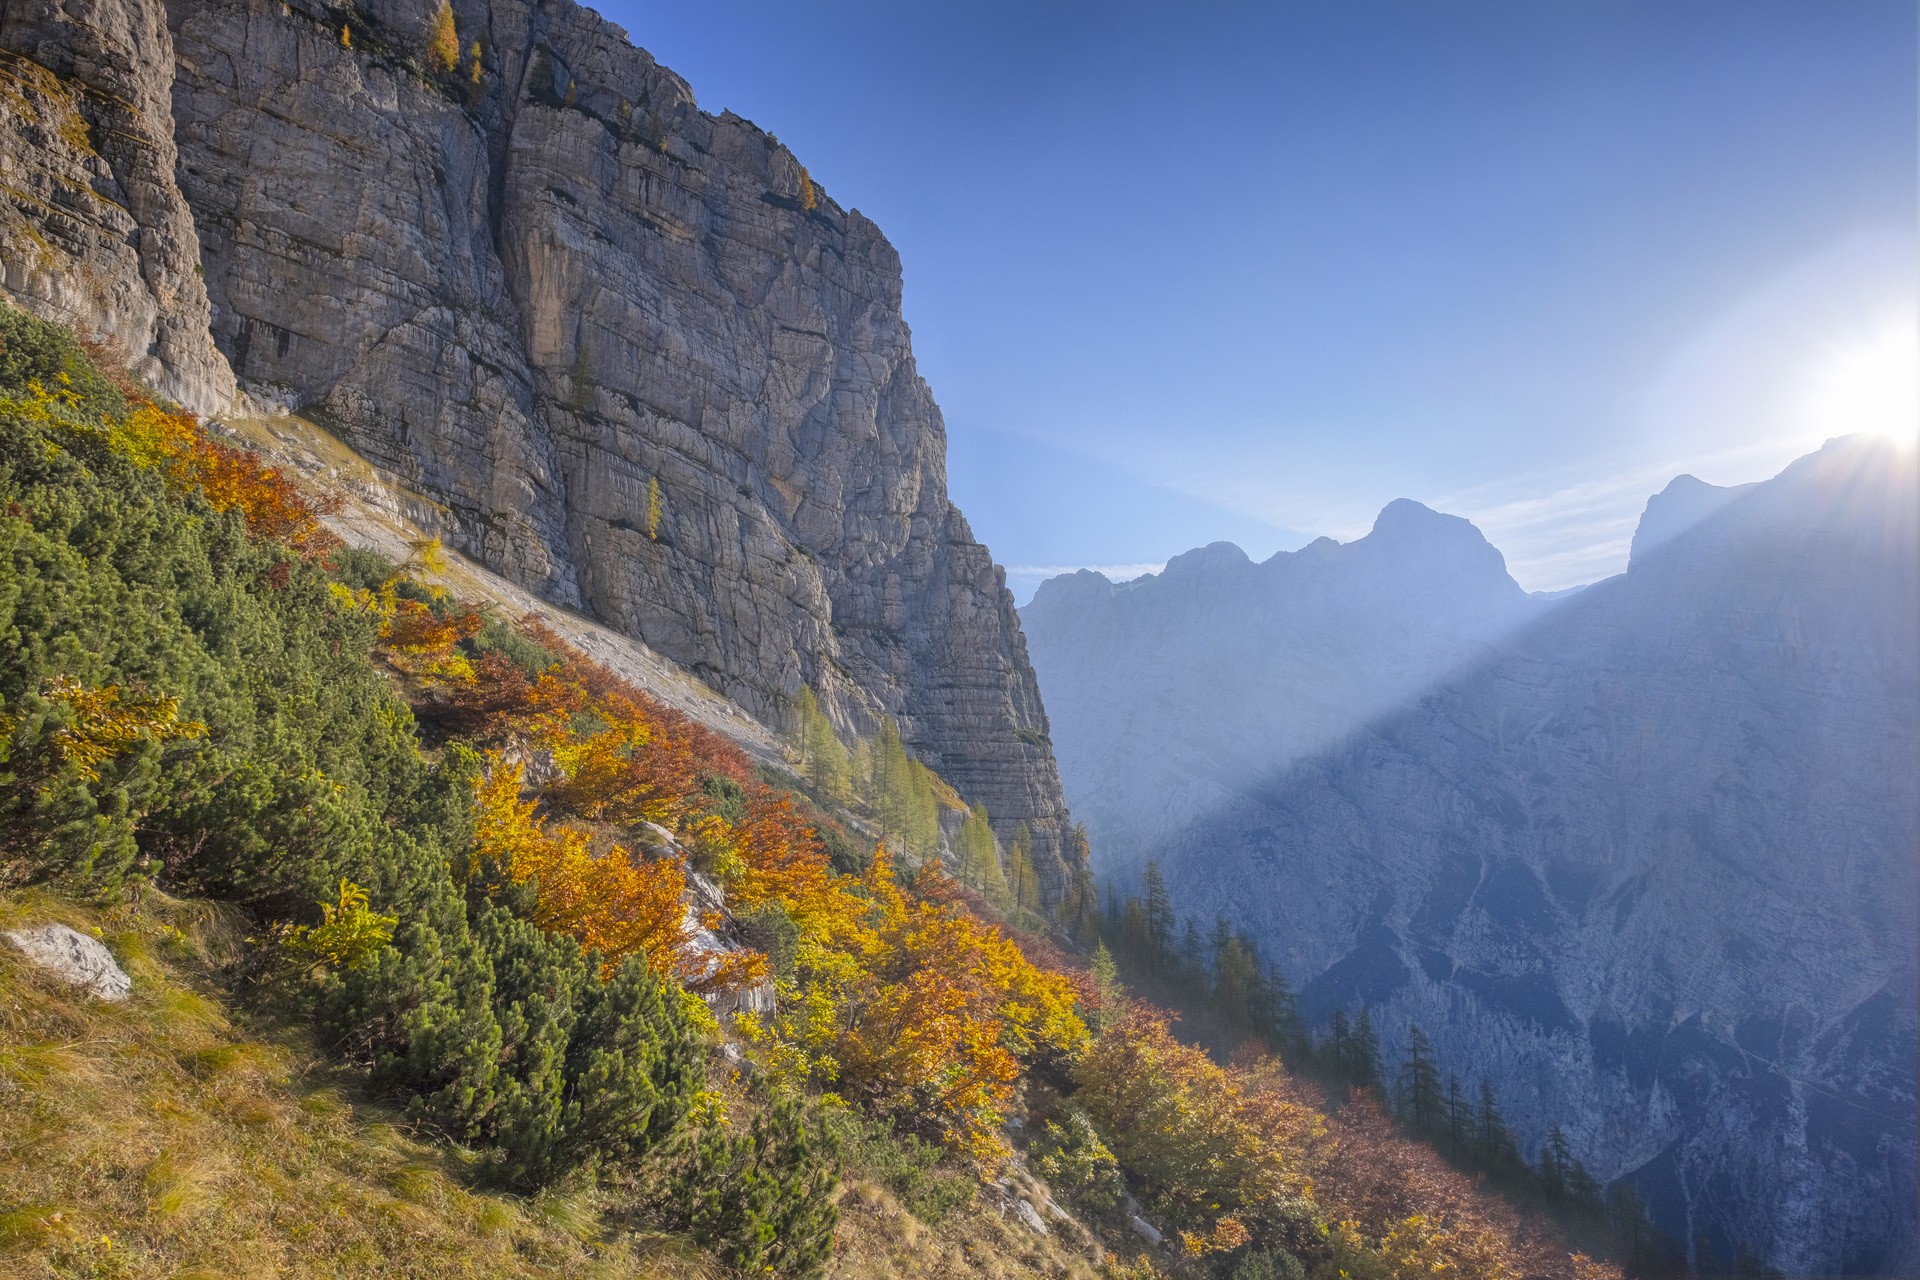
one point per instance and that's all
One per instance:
(1213, 557)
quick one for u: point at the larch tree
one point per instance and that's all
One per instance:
(443, 39)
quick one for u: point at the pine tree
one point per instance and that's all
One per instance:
(1366, 1054)
(923, 811)
(1583, 1188)
(1157, 906)
(1274, 1014)
(980, 861)
(1634, 1240)
(1235, 975)
(1337, 1049)
(1192, 958)
(1497, 1150)
(1421, 1099)
(763, 1200)
(1459, 1118)
(1079, 908)
(823, 757)
(1556, 1161)
(1136, 940)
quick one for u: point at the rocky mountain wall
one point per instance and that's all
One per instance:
(624, 352)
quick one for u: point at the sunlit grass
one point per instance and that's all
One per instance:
(169, 1136)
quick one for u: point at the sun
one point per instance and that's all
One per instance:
(1869, 384)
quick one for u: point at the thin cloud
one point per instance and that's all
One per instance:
(1113, 572)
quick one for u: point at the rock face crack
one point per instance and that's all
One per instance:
(531, 300)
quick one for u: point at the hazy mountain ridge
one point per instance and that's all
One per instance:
(1173, 692)
(1648, 864)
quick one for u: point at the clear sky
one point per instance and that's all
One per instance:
(1186, 271)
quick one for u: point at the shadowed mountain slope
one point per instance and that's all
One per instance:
(1648, 865)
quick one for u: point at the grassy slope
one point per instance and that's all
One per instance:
(173, 1136)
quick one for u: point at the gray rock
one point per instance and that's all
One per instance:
(1145, 1230)
(94, 231)
(1029, 1217)
(73, 956)
(533, 303)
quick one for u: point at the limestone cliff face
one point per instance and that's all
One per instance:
(94, 231)
(1650, 864)
(624, 352)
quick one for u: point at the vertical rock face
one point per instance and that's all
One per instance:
(94, 231)
(1650, 865)
(623, 351)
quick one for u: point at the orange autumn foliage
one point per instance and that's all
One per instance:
(1206, 1142)
(1432, 1219)
(230, 478)
(944, 1010)
(611, 902)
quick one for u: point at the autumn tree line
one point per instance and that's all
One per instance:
(1229, 996)
(466, 856)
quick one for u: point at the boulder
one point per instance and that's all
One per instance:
(74, 957)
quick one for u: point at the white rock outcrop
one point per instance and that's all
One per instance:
(74, 957)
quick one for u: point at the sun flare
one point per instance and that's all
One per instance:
(1871, 384)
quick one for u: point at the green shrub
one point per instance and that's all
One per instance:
(763, 1200)
(303, 771)
(920, 1174)
(1071, 1157)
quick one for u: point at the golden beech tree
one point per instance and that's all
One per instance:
(231, 478)
(1208, 1143)
(611, 901)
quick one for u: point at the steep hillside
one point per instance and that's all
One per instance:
(369, 851)
(626, 353)
(1173, 693)
(1649, 867)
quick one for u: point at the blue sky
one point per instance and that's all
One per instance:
(1190, 271)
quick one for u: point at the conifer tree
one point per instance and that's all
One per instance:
(1497, 1152)
(1276, 1016)
(1421, 1099)
(980, 861)
(1235, 975)
(763, 1200)
(1366, 1054)
(1157, 908)
(1556, 1160)
(443, 40)
(1192, 958)
(1136, 943)
(1110, 998)
(923, 811)
(1080, 905)
(1337, 1049)
(1583, 1188)
(1022, 880)
(822, 755)
(1459, 1118)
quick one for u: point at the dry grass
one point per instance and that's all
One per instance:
(153, 1138)
(879, 1238)
(164, 1137)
